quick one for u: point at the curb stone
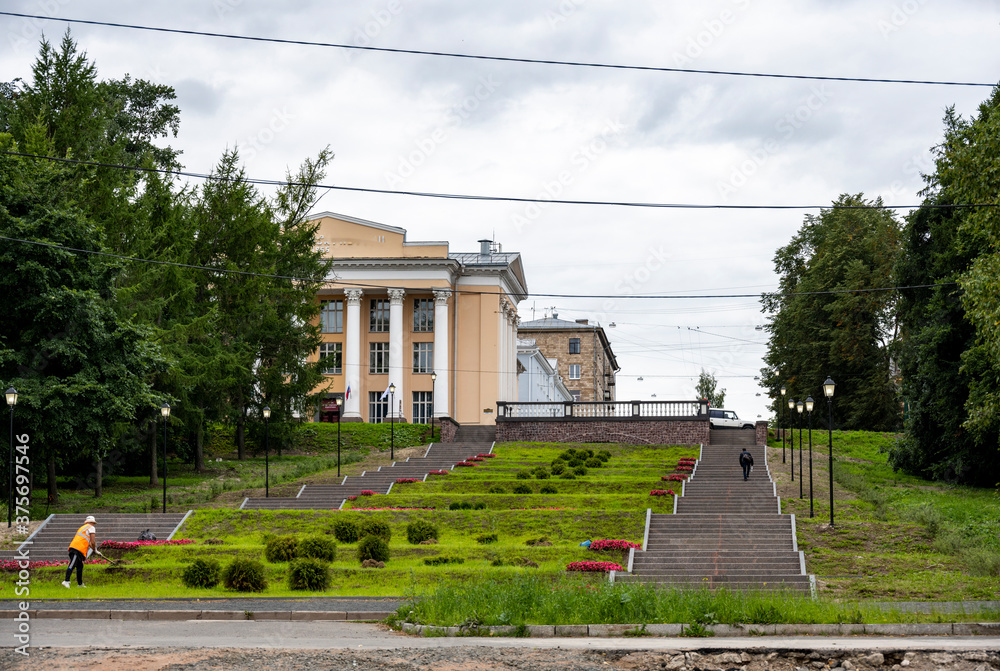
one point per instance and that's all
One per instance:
(725, 630)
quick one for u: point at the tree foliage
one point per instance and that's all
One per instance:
(832, 316)
(707, 388)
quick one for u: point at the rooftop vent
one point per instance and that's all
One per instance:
(582, 321)
(484, 248)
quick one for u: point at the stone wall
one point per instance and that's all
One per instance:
(761, 433)
(630, 431)
(449, 428)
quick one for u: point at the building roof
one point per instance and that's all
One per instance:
(555, 324)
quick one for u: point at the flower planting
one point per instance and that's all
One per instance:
(367, 492)
(356, 510)
(683, 469)
(405, 481)
(14, 565)
(352, 498)
(676, 477)
(466, 464)
(486, 456)
(613, 545)
(439, 472)
(474, 459)
(134, 545)
(662, 492)
(594, 566)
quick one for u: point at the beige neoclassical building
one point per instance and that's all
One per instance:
(440, 328)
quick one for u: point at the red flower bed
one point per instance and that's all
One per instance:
(439, 472)
(405, 481)
(474, 459)
(685, 460)
(12, 564)
(594, 566)
(485, 456)
(386, 508)
(352, 498)
(609, 545)
(676, 477)
(662, 492)
(465, 463)
(367, 492)
(132, 545)
(683, 469)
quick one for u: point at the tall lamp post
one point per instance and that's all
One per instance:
(11, 401)
(791, 442)
(781, 402)
(800, 406)
(267, 474)
(828, 388)
(165, 413)
(340, 402)
(392, 422)
(809, 408)
(434, 377)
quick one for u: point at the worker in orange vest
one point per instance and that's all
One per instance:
(84, 543)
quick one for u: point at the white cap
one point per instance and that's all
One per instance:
(90, 518)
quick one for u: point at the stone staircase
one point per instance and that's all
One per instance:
(724, 532)
(439, 456)
(739, 437)
(50, 542)
(476, 433)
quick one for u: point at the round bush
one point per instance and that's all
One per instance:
(568, 475)
(497, 489)
(603, 455)
(575, 462)
(245, 575)
(309, 574)
(373, 527)
(593, 462)
(541, 474)
(373, 547)
(559, 469)
(523, 475)
(479, 505)
(201, 573)
(281, 548)
(521, 488)
(346, 531)
(580, 470)
(548, 489)
(318, 547)
(419, 531)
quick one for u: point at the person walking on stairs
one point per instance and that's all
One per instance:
(746, 461)
(84, 543)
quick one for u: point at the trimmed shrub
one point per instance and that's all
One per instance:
(281, 548)
(373, 547)
(593, 462)
(202, 573)
(548, 489)
(575, 462)
(245, 575)
(486, 539)
(559, 469)
(346, 531)
(521, 488)
(318, 547)
(479, 505)
(373, 527)
(497, 489)
(309, 574)
(419, 531)
(604, 455)
(541, 474)
(580, 470)
(523, 475)
(568, 475)
(438, 561)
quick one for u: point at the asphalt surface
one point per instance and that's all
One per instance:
(351, 604)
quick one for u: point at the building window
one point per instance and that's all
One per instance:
(378, 407)
(576, 395)
(379, 316)
(378, 358)
(574, 345)
(423, 357)
(331, 316)
(423, 315)
(574, 371)
(423, 407)
(332, 353)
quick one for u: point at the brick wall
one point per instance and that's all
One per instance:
(761, 433)
(630, 431)
(593, 361)
(449, 428)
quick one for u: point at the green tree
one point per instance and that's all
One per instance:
(832, 316)
(706, 388)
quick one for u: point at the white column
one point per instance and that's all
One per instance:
(396, 354)
(441, 359)
(502, 351)
(352, 354)
(514, 320)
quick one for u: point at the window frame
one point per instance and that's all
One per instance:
(378, 408)
(332, 348)
(422, 407)
(574, 345)
(378, 315)
(378, 351)
(579, 371)
(337, 314)
(423, 352)
(423, 311)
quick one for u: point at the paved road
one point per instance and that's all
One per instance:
(352, 635)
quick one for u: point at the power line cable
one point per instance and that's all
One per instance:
(510, 199)
(483, 57)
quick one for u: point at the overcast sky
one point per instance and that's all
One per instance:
(428, 123)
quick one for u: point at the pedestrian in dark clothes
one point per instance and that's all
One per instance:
(746, 461)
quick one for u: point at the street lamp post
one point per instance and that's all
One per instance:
(791, 441)
(165, 413)
(267, 474)
(392, 422)
(434, 377)
(800, 406)
(340, 402)
(11, 401)
(781, 402)
(809, 407)
(828, 388)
